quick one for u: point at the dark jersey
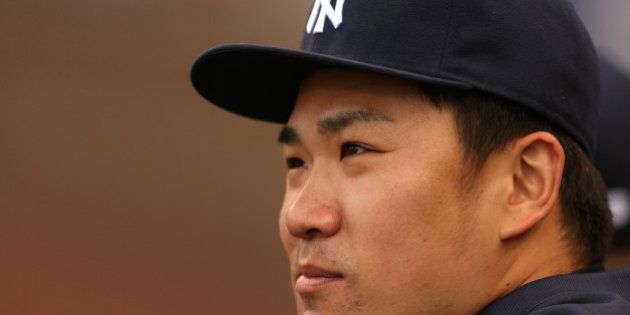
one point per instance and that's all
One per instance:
(589, 291)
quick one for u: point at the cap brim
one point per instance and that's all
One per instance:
(262, 82)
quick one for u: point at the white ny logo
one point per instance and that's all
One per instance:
(324, 9)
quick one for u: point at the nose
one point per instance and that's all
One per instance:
(315, 211)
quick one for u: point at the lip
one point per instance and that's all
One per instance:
(312, 279)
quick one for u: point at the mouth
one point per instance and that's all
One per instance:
(312, 279)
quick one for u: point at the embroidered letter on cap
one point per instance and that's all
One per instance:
(321, 10)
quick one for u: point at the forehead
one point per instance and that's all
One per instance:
(326, 92)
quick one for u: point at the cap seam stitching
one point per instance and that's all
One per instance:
(447, 38)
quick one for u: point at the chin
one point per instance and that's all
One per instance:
(328, 304)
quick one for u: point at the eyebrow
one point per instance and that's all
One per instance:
(334, 124)
(341, 120)
(289, 135)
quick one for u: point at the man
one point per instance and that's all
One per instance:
(438, 157)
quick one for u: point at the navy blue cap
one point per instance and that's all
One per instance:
(535, 53)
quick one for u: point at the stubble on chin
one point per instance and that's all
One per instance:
(323, 304)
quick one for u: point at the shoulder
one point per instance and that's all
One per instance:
(578, 293)
(583, 303)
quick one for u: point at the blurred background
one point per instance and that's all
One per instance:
(123, 192)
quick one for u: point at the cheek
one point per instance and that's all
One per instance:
(399, 200)
(412, 190)
(403, 214)
(407, 233)
(397, 234)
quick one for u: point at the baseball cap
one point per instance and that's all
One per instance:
(536, 53)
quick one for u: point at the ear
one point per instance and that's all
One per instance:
(537, 166)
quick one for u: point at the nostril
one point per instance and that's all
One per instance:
(312, 232)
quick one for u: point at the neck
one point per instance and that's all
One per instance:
(540, 253)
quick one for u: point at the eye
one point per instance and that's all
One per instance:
(348, 149)
(293, 163)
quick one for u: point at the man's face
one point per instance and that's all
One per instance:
(375, 219)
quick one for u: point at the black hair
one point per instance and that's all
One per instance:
(487, 123)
